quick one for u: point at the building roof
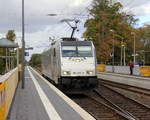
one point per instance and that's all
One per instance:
(5, 43)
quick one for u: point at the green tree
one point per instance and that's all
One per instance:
(108, 17)
(35, 60)
(11, 35)
(143, 40)
(2, 61)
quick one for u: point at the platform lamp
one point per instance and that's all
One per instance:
(134, 52)
(113, 51)
(123, 52)
(23, 48)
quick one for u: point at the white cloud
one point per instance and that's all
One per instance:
(137, 7)
(39, 26)
(35, 16)
(78, 3)
(139, 10)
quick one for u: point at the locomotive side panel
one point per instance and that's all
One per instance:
(46, 60)
(51, 63)
(56, 63)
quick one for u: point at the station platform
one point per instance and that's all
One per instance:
(133, 80)
(40, 100)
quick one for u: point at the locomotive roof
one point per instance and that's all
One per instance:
(69, 39)
(83, 43)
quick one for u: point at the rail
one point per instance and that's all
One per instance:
(128, 105)
(118, 109)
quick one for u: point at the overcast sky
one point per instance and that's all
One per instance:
(39, 27)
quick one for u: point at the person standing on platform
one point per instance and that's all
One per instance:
(131, 65)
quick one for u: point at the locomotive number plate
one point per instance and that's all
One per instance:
(78, 73)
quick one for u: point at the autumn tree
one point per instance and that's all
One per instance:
(105, 18)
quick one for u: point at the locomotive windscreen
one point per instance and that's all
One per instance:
(77, 49)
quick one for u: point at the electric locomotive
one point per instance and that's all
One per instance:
(71, 64)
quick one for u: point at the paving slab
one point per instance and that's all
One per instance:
(137, 81)
(39, 101)
(27, 104)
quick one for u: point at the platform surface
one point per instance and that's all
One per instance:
(39, 101)
(133, 80)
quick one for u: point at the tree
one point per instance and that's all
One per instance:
(11, 35)
(105, 18)
(2, 61)
(143, 38)
(35, 60)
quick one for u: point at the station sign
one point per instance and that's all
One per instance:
(26, 53)
(111, 54)
(30, 48)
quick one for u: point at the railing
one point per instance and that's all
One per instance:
(8, 84)
(138, 70)
(145, 71)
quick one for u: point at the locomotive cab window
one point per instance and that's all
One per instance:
(77, 51)
(68, 51)
(84, 51)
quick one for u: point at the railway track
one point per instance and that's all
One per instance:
(98, 108)
(139, 95)
(131, 107)
(126, 87)
(105, 103)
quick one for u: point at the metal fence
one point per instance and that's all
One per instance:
(122, 69)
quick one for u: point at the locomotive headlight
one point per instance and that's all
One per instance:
(66, 73)
(89, 72)
(77, 60)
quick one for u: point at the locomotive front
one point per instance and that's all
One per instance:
(78, 64)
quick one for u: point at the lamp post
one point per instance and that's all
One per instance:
(134, 49)
(134, 54)
(123, 50)
(122, 45)
(121, 55)
(23, 47)
(113, 51)
(124, 60)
